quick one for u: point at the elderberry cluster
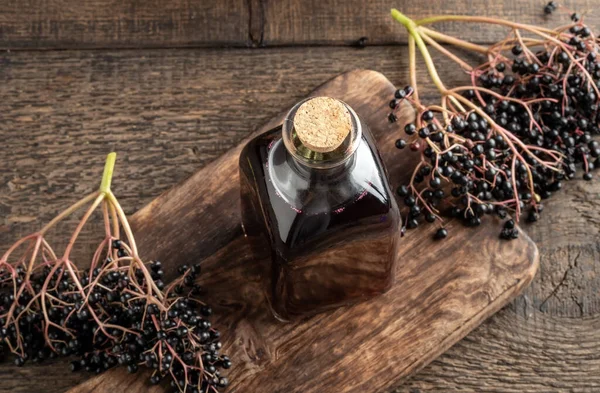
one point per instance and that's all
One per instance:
(117, 313)
(533, 126)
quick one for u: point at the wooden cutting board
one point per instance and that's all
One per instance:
(444, 289)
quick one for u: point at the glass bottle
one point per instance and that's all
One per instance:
(317, 207)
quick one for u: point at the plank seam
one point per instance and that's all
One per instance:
(252, 43)
(256, 23)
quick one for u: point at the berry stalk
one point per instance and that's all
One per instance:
(505, 141)
(118, 311)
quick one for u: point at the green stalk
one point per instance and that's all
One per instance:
(412, 68)
(453, 40)
(104, 189)
(109, 167)
(411, 27)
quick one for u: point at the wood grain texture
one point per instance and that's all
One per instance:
(44, 24)
(442, 290)
(169, 113)
(326, 22)
(60, 24)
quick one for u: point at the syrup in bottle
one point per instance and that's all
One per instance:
(317, 207)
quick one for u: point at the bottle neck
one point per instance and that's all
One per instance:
(321, 174)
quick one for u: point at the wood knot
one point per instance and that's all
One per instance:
(322, 124)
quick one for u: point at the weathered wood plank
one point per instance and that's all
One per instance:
(47, 24)
(343, 22)
(169, 112)
(548, 340)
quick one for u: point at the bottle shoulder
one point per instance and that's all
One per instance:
(267, 158)
(301, 206)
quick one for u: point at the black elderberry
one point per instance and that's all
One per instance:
(510, 224)
(478, 150)
(204, 336)
(585, 32)
(517, 50)
(211, 369)
(226, 363)
(75, 366)
(189, 280)
(400, 143)
(436, 136)
(402, 191)
(533, 216)
(415, 211)
(501, 212)
(223, 382)
(410, 129)
(156, 265)
(132, 368)
(429, 217)
(435, 182)
(361, 43)
(490, 155)
(182, 331)
(83, 315)
(533, 69)
(425, 170)
(441, 233)
(206, 311)
(509, 234)
(508, 80)
(562, 58)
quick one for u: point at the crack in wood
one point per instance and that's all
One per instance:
(561, 283)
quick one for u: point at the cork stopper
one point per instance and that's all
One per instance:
(322, 124)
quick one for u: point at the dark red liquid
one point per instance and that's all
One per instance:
(329, 235)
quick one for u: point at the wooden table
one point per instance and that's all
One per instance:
(173, 84)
